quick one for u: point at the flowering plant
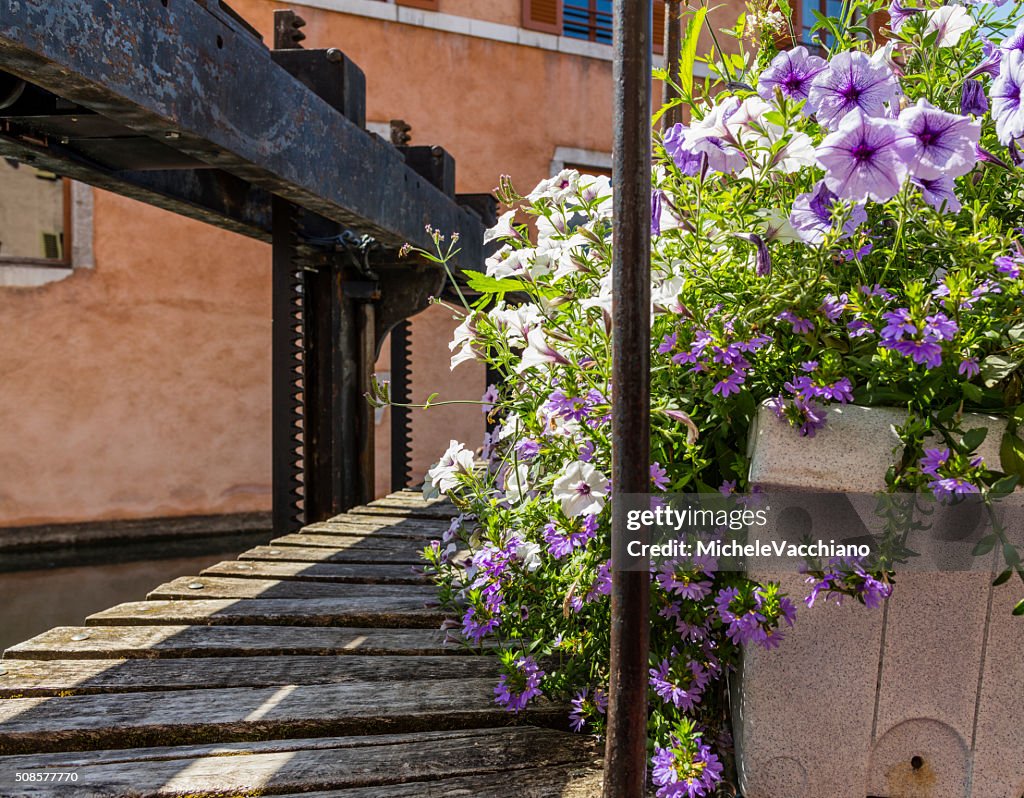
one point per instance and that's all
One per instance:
(838, 222)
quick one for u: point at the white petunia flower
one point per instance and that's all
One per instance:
(556, 188)
(503, 229)
(529, 555)
(581, 489)
(951, 22)
(441, 477)
(538, 352)
(517, 484)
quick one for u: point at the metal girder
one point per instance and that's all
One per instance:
(192, 77)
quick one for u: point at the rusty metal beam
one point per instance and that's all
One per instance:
(626, 743)
(190, 76)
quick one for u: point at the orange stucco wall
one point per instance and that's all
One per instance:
(142, 387)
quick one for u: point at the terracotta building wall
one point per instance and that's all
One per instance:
(142, 387)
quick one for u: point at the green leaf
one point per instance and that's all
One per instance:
(1004, 487)
(1010, 555)
(1002, 578)
(688, 50)
(1019, 609)
(996, 368)
(984, 546)
(479, 281)
(1011, 455)
(973, 438)
(972, 393)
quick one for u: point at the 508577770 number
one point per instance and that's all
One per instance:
(45, 775)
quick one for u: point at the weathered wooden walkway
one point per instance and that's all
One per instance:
(313, 665)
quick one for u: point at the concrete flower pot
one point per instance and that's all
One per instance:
(921, 697)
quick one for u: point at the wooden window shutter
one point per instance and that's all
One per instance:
(426, 5)
(544, 16)
(658, 28)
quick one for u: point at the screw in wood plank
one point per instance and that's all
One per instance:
(273, 551)
(81, 636)
(196, 585)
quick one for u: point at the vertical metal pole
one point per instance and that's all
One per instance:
(673, 50)
(400, 422)
(626, 746)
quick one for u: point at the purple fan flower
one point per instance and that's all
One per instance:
(833, 306)
(730, 385)
(475, 628)
(1009, 266)
(972, 98)
(969, 368)
(812, 215)
(804, 414)
(857, 254)
(488, 399)
(515, 692)
(859, 327)
(852, 82)
(670, 691)
(677, 772)
(951, 487)
(864, 158)
(926, 353)
(1007, 91)
(937, 143)
(800, 325)
(933, 460)
(791, 73)
(582, 704)
(939, 194)
(728, 487)
(899, 14)
(659, 476)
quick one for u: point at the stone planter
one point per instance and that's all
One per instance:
(921, 697)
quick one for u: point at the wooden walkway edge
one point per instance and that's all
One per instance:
(313, 665)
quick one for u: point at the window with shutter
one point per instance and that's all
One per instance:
(543, 15)
(426, 5)
(658, 28)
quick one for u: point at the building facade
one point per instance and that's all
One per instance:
(135, 364)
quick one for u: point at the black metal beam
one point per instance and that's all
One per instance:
(194, 79)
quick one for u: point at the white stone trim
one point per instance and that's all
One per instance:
(18, 275)
(477, 28)
(580, 157)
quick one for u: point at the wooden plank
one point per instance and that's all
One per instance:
(28, 678)
(572, 781)
(77, 723)
(410, 556)
(320, 551)
(319, 572)
(231, 587)
(383, 611)
(494, 754)
(411, 504)
(382, 526)
(150, 642)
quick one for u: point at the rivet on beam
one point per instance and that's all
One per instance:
(81, 636)
(196, 585)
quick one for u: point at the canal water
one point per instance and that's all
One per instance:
(62, 588)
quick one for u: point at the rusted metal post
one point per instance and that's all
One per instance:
(626, 746)
(673, 50)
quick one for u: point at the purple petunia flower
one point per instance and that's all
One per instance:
(527, 449)
(515, 691)
(937, 143)
(939, 194)
(864, 158)
(762, 258)
(688, 161)
(1015, 41)
(899, 14)
(791, 73)
(972, 98)
(812, 215)
(833, 306)
(1007, 90)
(852, 82)
(656, 197)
